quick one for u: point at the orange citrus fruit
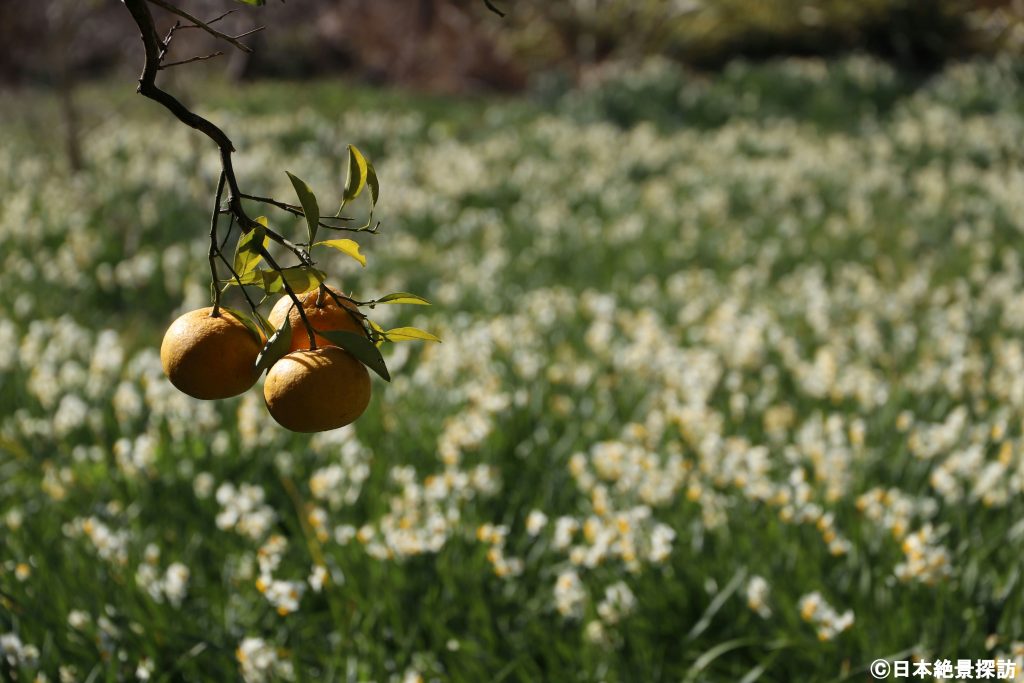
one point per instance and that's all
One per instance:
(316, 390)
(207, 357)
(327, 316)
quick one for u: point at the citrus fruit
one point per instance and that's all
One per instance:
(316, 390)
(210, 357)
(328, 316)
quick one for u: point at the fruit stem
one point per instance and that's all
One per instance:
(356, 314)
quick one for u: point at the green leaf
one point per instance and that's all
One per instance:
(264, 322)
(401, 298)
(372, 183)
(276, 347)
(716, 603)
(256, 278)
(247, 321)
(356, 180)
(345, 246)
(360, 347)
(248, 251)
(410, 333)
(254, 3)
(309, 205)
(300, 278)
(711, 654)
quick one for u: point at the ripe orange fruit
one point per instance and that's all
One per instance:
(210, 358)
(313, 391)
(328, 316)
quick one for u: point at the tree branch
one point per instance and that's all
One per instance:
(148, 88)
(154, 48)
(198, 23)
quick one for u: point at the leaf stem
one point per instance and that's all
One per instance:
(356, 315)
(297, 211)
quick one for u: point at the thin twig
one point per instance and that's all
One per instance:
(213, 246)
(291, 208)
(297, 211)
(250, 32)
(214, 20)
(165, 44)
(227, 233)
(233, 40)
(192, 59)
(365, 228)
(238, 279)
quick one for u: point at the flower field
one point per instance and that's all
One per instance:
(734, 397)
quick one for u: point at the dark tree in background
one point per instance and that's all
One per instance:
(436, 45)
(455, 45)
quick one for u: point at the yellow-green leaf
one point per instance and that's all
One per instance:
(247, 251)
(409, 334)
(256, 278)
(356, 180)
(310, 207)
(262, 321)
(345, 246)
(276, 347)
(372, 183)
(401, 298)
(379, 330)
(300, 278)
(247, 321)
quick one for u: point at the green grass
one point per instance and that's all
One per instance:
(776, 341)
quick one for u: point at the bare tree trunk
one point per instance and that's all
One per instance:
(62, 25)
(72, 129)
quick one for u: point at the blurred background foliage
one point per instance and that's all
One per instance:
(458, 45)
